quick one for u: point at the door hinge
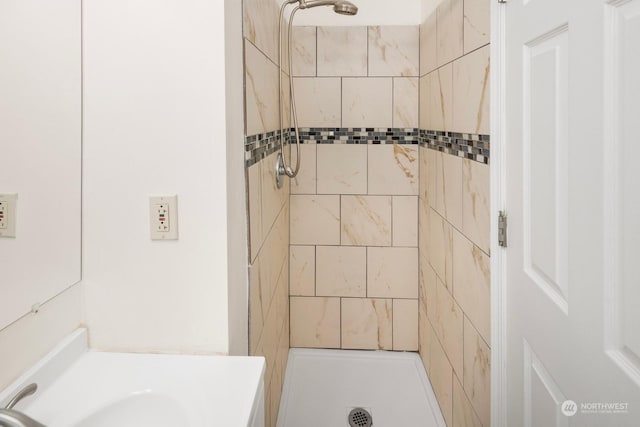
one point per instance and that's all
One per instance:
(502, 229)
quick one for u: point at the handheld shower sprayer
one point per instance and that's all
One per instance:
(341, 7)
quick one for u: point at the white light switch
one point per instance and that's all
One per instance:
(163, 216)
(8, 215)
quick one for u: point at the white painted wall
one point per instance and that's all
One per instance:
(31, 337)
(154, 124)
(40, 150)
(371, 12)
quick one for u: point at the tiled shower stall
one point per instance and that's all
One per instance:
(382, 241)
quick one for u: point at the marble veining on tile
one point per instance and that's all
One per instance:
(472, 283)
(367, 323)
(405, 324)
(303, 51)
(342, 51)
(477, 367)
(318, 101)
(366, 220)
(342, 169)
(394, 51)
(471, 75)
(367, 102)
(392, 272)
(315, 220)
(393, 170)
(476, 222)
(477, 17)
(261, 92)
(341, 271)
(302, 268)
(315, 322)
(405, 102)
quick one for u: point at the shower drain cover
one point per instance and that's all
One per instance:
(359, 417)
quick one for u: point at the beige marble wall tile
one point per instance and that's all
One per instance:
(393, 169)
(315, 220)
(447, 320)
(394, 51)
(286, 101)
(405, 221)
(273, 198)
(424, 230)
(426, 119)
(270, 337)
(367, 102)
(463, 413)
(472, 283)
(254, 184)
(305, 181)
(367, 323)
(422, 174)
(477, 23)
(318, 101)
(342, 169)
(441, 377)
(425, 334)
(303, 51)
(405, 325)
(342, 51)
(440, 93)
(341, 271)
(449, 188)
(477, 372)
(261, 25)
(432, 160)
(450, 31)
(302, 270)
(315, 322)
(471, 92)
(429, 283)
(280, 300)
(428, 45)
(441, 248)
(261, 92)
(366, 220)
(392, 273)
(256, 313)
(476, 204)
(405, 102)
(273, 255)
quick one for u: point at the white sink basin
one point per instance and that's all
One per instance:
(143, 408)
(81, 388)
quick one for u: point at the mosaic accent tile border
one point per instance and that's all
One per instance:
(260, 146)
(359, 136)
(470, 146)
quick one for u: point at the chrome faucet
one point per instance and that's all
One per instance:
(12, 418)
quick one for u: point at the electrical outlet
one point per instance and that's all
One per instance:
(8, 215)
(163, 215)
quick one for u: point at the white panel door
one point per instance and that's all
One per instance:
(573, 199)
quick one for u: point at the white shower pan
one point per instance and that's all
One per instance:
(322, 387)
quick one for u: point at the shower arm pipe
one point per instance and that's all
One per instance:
(283, 169)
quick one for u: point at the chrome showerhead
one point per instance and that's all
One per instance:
(343, 7)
